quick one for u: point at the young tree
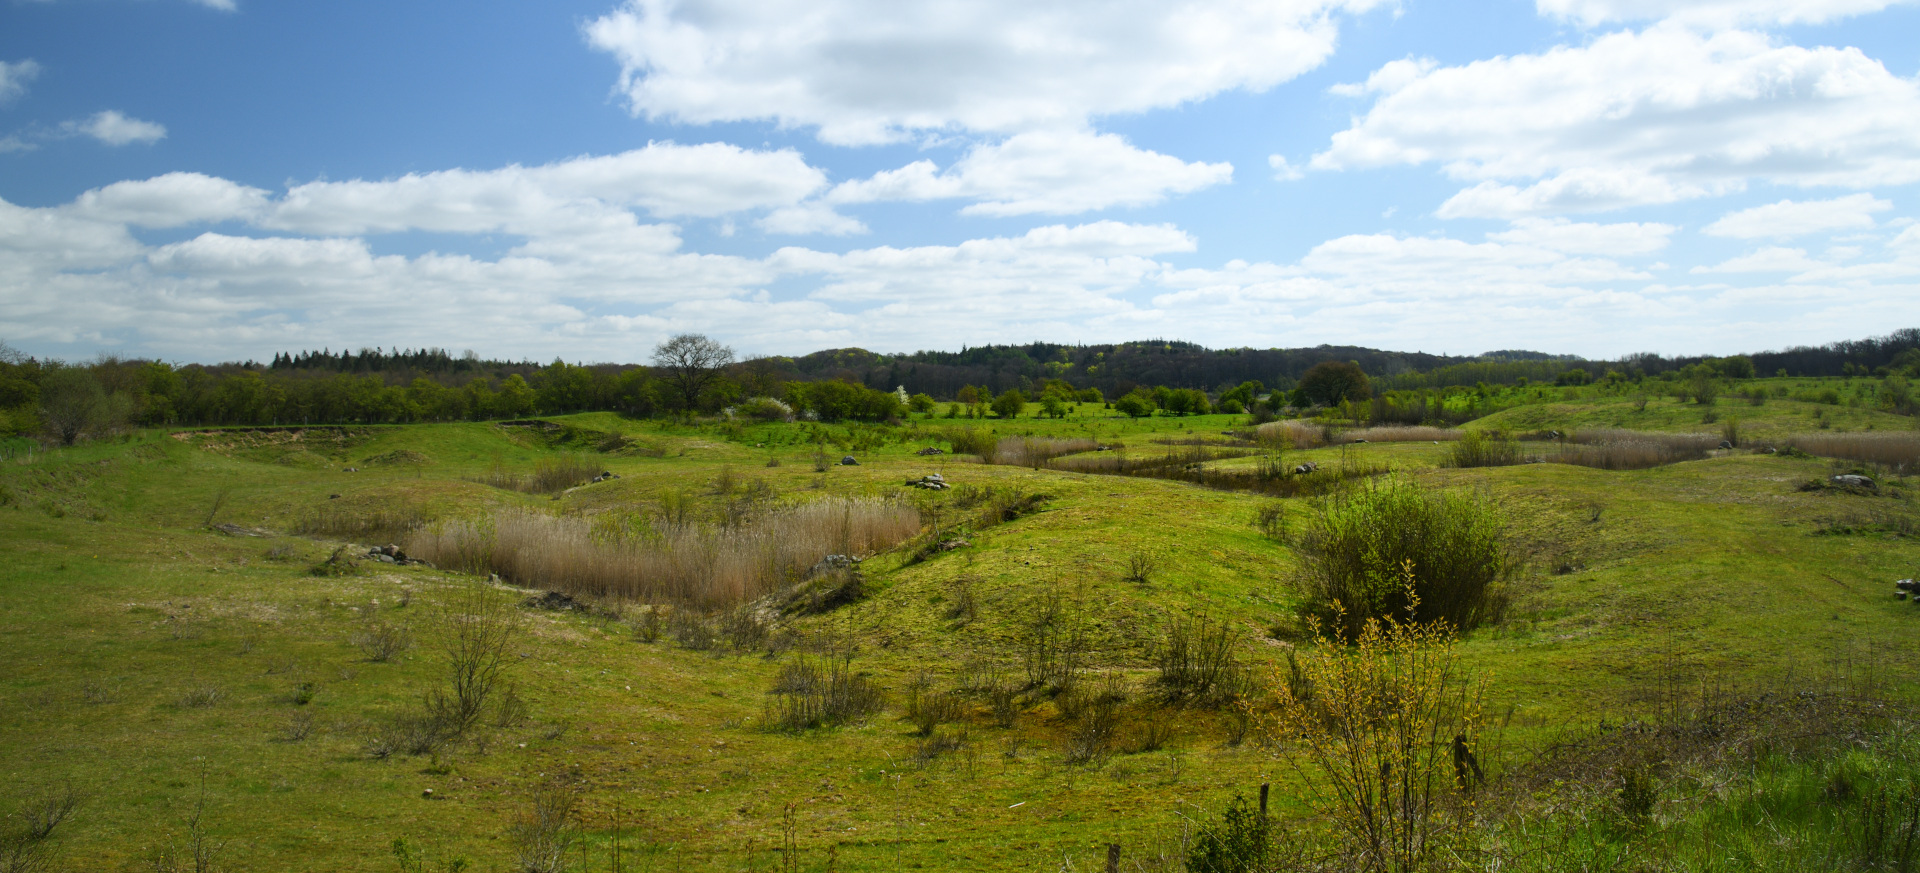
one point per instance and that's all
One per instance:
(1010, 404)
(73, 403)
(690, 363)
(1136, 404)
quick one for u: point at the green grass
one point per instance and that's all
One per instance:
(116, 602)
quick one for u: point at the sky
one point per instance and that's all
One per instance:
(211, 180)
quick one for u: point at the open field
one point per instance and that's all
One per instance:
(159, 666)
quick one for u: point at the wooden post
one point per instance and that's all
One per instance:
(1113, 858)
(1263, 798)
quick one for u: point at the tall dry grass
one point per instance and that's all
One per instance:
(1036, 452)
(690, 564)
(1618, 449)
(1901, 451)
(550, 475)
(1291, 434)
(1402, 434)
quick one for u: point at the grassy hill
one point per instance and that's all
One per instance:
(167, 671)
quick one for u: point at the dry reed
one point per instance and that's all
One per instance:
(696, 565)
(1402, 434)
(550, 475)
(1291, 434)
(1900, 451)
(1617, 449)
(1036, 452)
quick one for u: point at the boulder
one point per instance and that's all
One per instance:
(1308, 467)
(931, 450)
(950, 545)
(1907, 585)
(557, 601)
(1358, 440)
(1726, 444)
(832, 563)
(849, 461)
(1854, 480)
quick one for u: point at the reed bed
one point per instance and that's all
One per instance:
(1271, 476)
(367, 524)
(1617, 449)
(550, 475)
(1403, 434)
(1293, 434)
(1036, 452)
(694, 565)
(1899, 451)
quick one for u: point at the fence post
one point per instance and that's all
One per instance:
(1263, 798)
(1113, 858)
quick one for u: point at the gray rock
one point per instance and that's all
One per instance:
(1726, 444)
(1907, 585)
(849, 461)
(1854, 480)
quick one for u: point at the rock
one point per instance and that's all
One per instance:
(1308, 467)
(1553, 434)
(426, 793)
(333, 497)
(351, 470)
(608, 475)
(558, 601)
(1767, 451)
(384, 559)
(1854, 480)
(831, 563)
(1726, 444)
(952, 544)
(1358, 440)
(849, 461)
(1899, 595)
(1907, 585)
(234, 530)
(931, 450)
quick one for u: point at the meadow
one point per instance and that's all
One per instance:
(1702, 663)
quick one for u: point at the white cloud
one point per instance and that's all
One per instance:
(222, 5)
(810, 218)
(1561, 235)
(1283, 171)
(1711, 13)
(172, 200)
(1050, 172)
(1651, 117)
(14, 78)
(1788, 218)
(870, 71)
(665, 179)
(1773, 259)
(11, 144)
(115, 129)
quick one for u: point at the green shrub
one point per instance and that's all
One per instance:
(1356, 550)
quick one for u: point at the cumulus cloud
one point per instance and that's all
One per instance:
(172, 200)
(116, 129)
(14, 78)
(1788, 218)
(1710, 13)
(1283, 171)
(1561, 235)
(1638, 118)
(666, 180)
(870, 71)
(1773, 259)
(1051, 172)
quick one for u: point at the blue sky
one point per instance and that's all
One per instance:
(205, 180)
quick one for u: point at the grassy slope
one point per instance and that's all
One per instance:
(118, 607)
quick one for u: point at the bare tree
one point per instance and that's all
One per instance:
(691, 362)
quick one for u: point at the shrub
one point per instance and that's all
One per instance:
(1197, 659)
(1053, 641)
(929, 707)
(806, 694)
(1239, 841)
(546, 832)
(970, 441)
(1368, 737)
(380, 642)
(1356, 549)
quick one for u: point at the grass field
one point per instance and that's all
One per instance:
(163, 668)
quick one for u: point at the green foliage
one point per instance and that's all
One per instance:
(1239, 841)
(1330, 382)
(1009, 404)
(920, 403)
(834, 400)
(1356, 549)
(1137, 403)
